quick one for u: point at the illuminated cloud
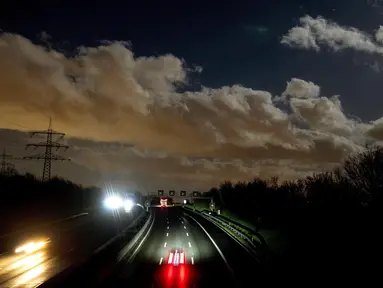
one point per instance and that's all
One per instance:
(316, 32)
(125, 116)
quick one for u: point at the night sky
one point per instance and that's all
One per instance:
(260, 45)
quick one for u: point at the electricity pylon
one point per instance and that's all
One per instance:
(50, 143)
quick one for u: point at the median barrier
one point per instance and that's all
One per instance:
(134, 245)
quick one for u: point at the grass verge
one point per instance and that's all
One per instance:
(273, 238)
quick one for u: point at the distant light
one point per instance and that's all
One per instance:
(185, 201)
(163, 202)
(128, 205)
(113, 202)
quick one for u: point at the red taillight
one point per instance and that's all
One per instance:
(170, 274)
(170, 258)
(176, 276)
(182, 275)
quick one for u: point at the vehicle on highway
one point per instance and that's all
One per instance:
(176, 257)
(32, 246)
(163, 202)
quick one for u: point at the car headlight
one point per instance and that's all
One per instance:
(128, 205)
(31, 247)
(113, 202)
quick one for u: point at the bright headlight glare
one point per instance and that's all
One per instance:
(30, 247)
(128, 205)
(113, 202)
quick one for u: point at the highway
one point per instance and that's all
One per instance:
(70, 242)
(213, 259)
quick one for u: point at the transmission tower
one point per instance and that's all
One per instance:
(6, 166)
(50, 143)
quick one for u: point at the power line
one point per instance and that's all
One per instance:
(6, 166)
(15, 124)
(48, 156)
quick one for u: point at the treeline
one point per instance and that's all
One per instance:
(24, 198)
(331, 221)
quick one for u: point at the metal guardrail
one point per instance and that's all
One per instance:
(249, 243)
(122, 233)
(137, 240)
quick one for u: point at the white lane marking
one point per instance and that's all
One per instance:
(182, 222)
(215, 245)
(187, 234)
(165, 244)
(192, 259)
(167, 234)
(167, 227)
(162, 258)
(185, 227)
(189, 244)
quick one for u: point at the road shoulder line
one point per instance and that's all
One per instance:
(215, 245)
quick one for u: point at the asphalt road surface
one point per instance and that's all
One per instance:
(70, 242)
(213, 259)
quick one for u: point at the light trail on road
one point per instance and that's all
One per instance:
(193, 258)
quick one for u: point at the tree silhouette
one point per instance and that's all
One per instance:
(25, 199)
(324, 216)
